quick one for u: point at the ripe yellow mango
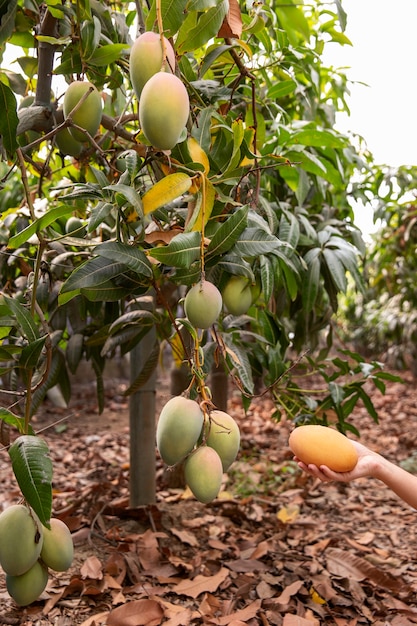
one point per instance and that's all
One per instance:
(203, 473)
(57, 549)
(88, 114)
(146, 59)
(21, 539)
(179, 427)
(237, 295)
(27, 587)
(321, 445)
(224, 437)
(203, 304)
(163, 110)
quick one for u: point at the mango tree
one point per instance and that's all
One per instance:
(215, 161)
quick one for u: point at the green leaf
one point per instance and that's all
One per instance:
(92, 273)
(43, 222)
(30, 354)
(281, 89)
(11, 419)
(7, 21)
(336, 269)
(311, 285)
(182, 251)
(254, 242)
(294, 21)
(146, 371)
(25, 320)
(228, 233)
(319, 138)
(32, 467)
(172, 12)
(107, 54)
(134, 258)
(208, 25)
(9, 121)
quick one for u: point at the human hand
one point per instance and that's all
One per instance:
(367, 465)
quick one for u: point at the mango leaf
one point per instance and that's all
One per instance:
(30, 354)
(255, 241)
(208, 25)
(239, 358)
(294, 21)
(238, 136)
(11, 419)
(7, 21)
(267, 277)
(130, 194)
(107, 54)
(9, 122)
(319, 138)
(32, 467)
(40, 224)
(92, 273)
(23, 317)
(311, 285)
(182, 251)
(228, 233)
(165, 191)
(204, 206)
(172, 13)
(281, 89)
(336, 269)
(133, 258)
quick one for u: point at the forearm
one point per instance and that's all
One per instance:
(401, 482)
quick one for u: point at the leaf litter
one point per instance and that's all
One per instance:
(277, 548)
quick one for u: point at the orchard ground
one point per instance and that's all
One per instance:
(276, 548)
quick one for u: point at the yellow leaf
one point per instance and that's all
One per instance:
(288, 514)
(165, 190)
(316, 597)
(204, 206)
(197, 154)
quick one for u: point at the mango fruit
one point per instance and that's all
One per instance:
(237, 295)
(21, 539)
(67, 144)
(146, 59)
(178, 429)
(88, 114)
(223, 436)
(322, 445)
(203, 473)
(203, 304)
(57, 549)
(163, 110)
(27, 587)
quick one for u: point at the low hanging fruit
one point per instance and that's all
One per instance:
(203, 304)
(88, 115)
(223, 436)
(21, 539)
(146, 59)
(179, 427)
(203, 473)
(163, 110)
(27, 587)
(237, 295)
(322, 445)
(57, 549)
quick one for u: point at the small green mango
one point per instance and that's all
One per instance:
(58, 549)
(203, 473)
(21, 539)
(237, 295)
(203, 304)
(163, 110)
(88, 115)
(67, 144)
(179, 426)
(146, 59)
(224, 437)
(27, 587)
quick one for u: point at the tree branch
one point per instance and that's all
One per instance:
(46, 53)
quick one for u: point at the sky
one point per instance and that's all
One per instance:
(383, 55)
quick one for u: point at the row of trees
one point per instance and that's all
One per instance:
(100, 247)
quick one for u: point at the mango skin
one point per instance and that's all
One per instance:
(237, 295)
(27, 587)
(179, 427)
(321, 445)
(163, 110)
(57, 549)
(88, 115)
(146, 59)
(203, 473)
(67, 144)
(224, 437)
(21, 539)
(203, 304)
